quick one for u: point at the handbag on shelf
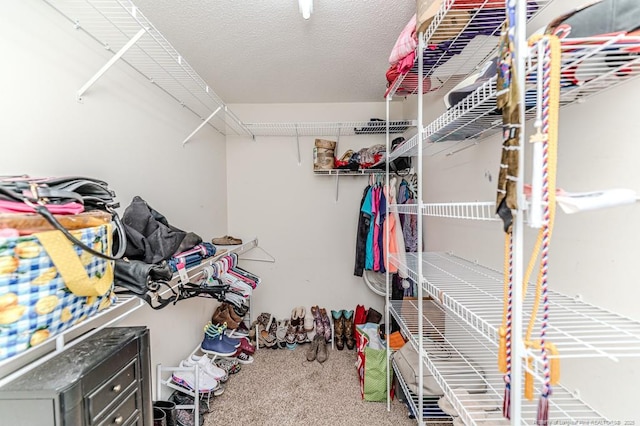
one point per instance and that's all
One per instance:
(63, 195)
(56, 266)
(144, 280)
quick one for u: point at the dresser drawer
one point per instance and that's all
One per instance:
(106, 395)
(125, 413)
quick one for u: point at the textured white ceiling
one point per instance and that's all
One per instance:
(263, 51)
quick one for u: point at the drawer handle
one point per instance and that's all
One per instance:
(117, 388)
(118, 420)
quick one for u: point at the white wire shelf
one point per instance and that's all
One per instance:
(408, 148)
(464, 366)
(431, 413)
(115, 24)
(458, 39)
(346, 172)
(475, 294)
(589, 66)
(335, 129)
(467, 210)
(124, 306)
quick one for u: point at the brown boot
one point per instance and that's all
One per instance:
(312, 352)
(322, 354)
(348, 329)
(234, 316)
(338, 329)
(221, 316)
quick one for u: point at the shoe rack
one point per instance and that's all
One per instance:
(195, 370)
(470, 295)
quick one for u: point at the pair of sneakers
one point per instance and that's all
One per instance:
(186, 378)
(217, 342)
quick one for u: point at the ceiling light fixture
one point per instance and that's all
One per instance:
(306, 7)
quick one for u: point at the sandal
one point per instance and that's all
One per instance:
(227, 240)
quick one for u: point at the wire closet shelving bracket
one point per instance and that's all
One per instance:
(120, 27)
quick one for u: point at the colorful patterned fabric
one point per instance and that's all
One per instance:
(35, 303)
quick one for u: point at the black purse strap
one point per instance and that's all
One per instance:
(122, 238)
(45, 213)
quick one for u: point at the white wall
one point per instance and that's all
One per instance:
(294, 212)
(593, 254)
(126, 132)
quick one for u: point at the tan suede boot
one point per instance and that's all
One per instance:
(322, 354)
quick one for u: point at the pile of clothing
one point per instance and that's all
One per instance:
(366, 158)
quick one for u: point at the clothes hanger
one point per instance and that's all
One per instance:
(269, 259)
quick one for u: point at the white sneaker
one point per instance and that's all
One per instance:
(188, 379)
(206, 366)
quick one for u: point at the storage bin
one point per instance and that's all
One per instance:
(323, 154)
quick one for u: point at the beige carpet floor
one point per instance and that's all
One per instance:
(282, 388)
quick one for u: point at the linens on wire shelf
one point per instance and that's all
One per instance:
(466, 35)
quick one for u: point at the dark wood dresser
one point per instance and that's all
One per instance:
(103, 380)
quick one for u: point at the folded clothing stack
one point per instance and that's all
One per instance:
(193, 256)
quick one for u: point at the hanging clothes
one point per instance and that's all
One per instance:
(375, 243)
(382, 215)
(396, 240)
(408, 222)
(364, 224)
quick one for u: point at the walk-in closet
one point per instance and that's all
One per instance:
(319, 212)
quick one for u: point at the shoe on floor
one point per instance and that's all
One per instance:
(230, 365)
(187, 379)
(219, 331)
(226, 240)
(216, 346)
(186, 418)
(312, 352)
(326, 324)
(281, 333)
(243, 358)
(323, 353)
(290, 337)
(205, 365)
(308, 325)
